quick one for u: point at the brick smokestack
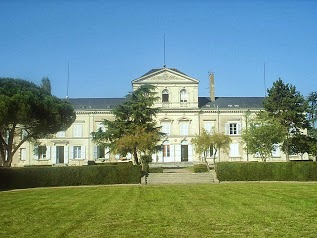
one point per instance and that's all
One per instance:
(212, 86)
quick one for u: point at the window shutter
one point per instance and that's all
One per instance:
(239, 127)
(177, 153)
(54, 155)
(107, 153)
(66, 157)
(48, 152)
(172, 152)
(83, 152)
(96, 153)
(227, 129)
(71, 152)
(190, 153)
(36, 152)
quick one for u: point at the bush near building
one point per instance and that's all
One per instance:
(200, 168)
(274, 171)
(31, 177)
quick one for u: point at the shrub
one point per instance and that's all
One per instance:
(200, 168)
(155, 170)
(30, 177)
(275, 171)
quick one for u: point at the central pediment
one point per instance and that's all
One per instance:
(165, 75)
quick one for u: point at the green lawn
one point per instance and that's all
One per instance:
(217, 210)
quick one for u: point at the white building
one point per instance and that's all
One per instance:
(182, 117)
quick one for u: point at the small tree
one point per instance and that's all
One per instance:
(134, 129)
(202, 144)
(263, 135)
(205, 141)
(220, 141)
(30, 112)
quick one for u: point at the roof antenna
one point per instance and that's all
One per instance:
(164, 53)
(264, 80)
(67, 79)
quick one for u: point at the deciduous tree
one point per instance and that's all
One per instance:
(263, 135)
(30, 111)
(215, 141)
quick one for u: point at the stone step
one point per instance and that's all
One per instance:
(179, 178)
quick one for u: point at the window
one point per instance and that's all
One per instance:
(165, 96)
(208, 126)
(60, 134)
(41, 152)
(101, 126)
(24, 134)
(183, 96)
(184, 128)
(77, 152)
(166, 128)
(100, 152)
(78, 130)
(233, 128)
(23, 154)
(234, 150)
(277, 151)
(166, 149)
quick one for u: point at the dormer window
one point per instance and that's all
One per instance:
(165, 95)
(183, 95)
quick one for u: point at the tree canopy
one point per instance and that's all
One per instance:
(134, 128)
(288, 107)
(31, 110)
(212, 142)
(263, 135)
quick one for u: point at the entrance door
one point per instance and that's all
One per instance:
(184, 153)
(60, 154)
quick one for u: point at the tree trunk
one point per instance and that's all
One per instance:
(135, 156)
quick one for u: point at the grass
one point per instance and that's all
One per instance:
(220, 210)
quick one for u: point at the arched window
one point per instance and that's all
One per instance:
(165, 95)
(183, 95)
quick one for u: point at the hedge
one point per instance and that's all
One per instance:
(155, 170)
(31, 177)
(269, 171)
(200, 168)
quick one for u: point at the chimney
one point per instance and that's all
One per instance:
(212, 86)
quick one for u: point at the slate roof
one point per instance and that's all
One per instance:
(231, 102)
(203, 103)
(95, 103)
(155, 70)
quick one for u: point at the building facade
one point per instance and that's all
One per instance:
(184, 114)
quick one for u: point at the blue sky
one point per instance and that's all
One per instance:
(110, 43)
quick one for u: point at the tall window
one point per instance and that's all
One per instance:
(101, 126)
(208, 126)
(22, 154)
(183, 96)
(165, 96)
(60, 134)
(166, 149)
(183, 128)
(41, 152)
(77, 152)
(78, 130)
(166, 128)
(234, 150)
